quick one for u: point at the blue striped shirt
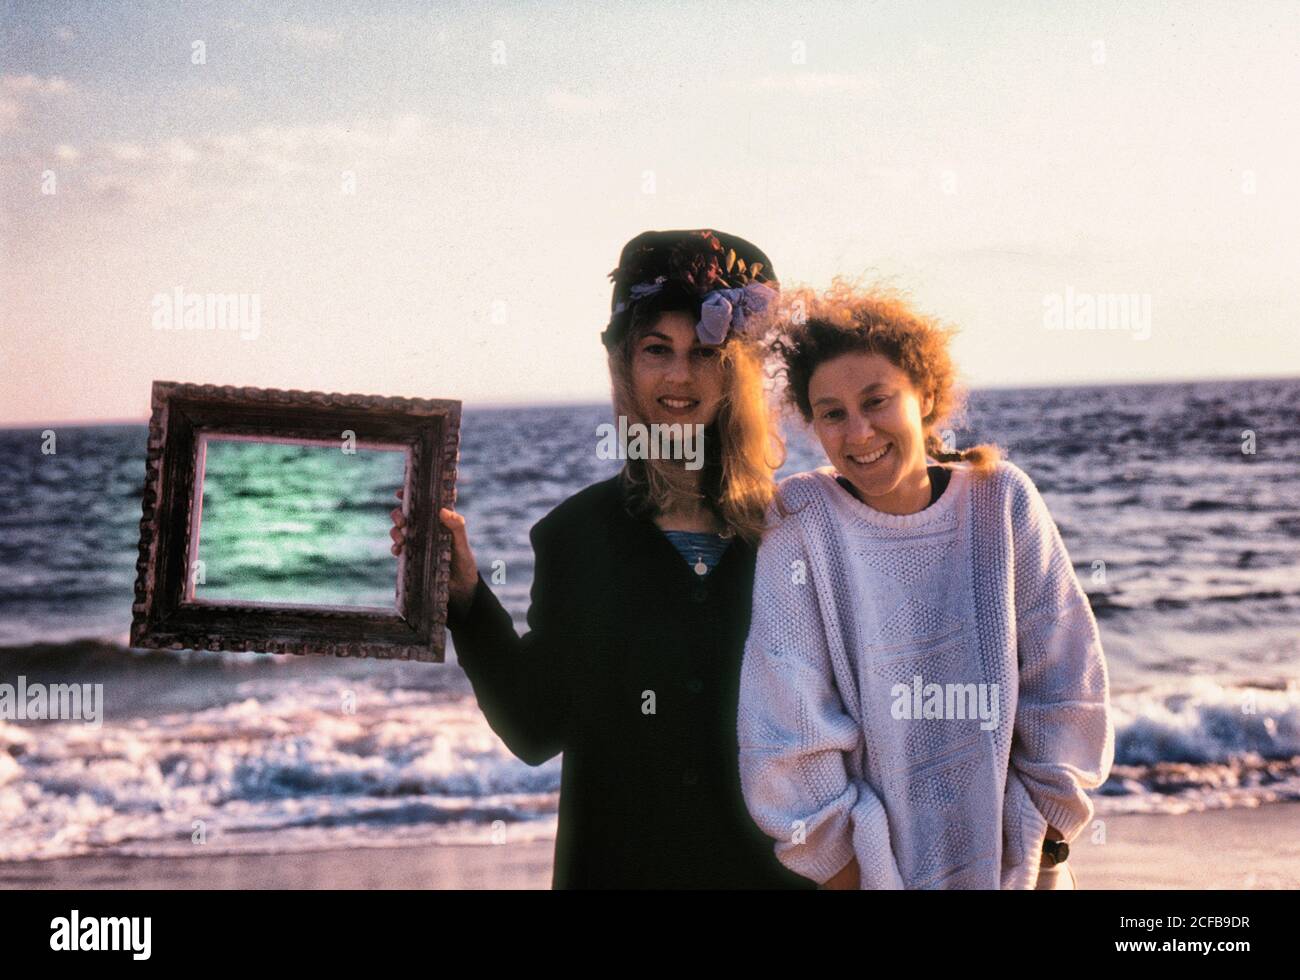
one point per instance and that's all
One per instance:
(699, 548)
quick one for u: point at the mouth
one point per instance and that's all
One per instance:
(678, 404)
(871, 458)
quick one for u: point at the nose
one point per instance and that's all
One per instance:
(679, 368)
(860, 430)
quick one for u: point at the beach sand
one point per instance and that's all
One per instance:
(1227, 849)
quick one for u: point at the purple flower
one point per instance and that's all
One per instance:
(732, 309)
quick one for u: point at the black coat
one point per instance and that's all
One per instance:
(631, 668)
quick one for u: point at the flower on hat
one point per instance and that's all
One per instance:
(731, 292)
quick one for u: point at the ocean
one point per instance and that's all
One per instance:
(1188, 548)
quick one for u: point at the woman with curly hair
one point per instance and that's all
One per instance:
(641, 592)
(924, 698)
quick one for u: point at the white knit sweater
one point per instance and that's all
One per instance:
(850, 603)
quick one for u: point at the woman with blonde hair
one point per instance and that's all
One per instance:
(924, 698)
(641, 590)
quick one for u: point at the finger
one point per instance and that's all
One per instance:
(398, 517)
(399, 493)
(396, 549)
(397, 534)
(459, 537)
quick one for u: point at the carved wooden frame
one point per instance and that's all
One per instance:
(164, 613)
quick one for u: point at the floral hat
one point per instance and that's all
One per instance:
(732, 279)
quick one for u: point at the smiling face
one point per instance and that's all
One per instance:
(867, 414)
(675, 378)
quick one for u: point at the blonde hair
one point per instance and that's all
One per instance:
(816, 327)
(742, 446)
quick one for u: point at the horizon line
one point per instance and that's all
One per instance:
(497, 405)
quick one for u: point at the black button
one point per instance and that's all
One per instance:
(690, 777)
(700, 592)
(695, 685)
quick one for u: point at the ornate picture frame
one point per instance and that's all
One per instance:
(165, 613)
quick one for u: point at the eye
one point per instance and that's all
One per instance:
(832, 414)
(705, 352)
(871, 403)
(656, 349)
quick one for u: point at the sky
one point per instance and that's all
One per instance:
(425, 199)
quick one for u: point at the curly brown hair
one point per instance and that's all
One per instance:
(850, 318)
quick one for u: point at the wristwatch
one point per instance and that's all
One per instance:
(1055, 852)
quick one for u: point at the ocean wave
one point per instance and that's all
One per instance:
(1204, 722)
(1203, 746)
(348, 758)
(1105, 604)
(340, 762)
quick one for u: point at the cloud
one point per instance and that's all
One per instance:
(179, 170)
(126, 151)
(179, 151)
(221, 93)
(564, 100)
(928, 51)
(11, 113)
(814, 83)
(34, 84)
(307, 37)
(20, 94)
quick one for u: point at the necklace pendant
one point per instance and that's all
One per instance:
(700, 567)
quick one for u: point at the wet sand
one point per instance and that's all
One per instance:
(1222, 849)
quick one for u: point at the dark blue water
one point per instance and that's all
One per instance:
(1188, 548)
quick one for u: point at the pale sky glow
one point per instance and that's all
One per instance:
(984, 156)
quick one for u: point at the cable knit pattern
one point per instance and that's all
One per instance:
(976, 590)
